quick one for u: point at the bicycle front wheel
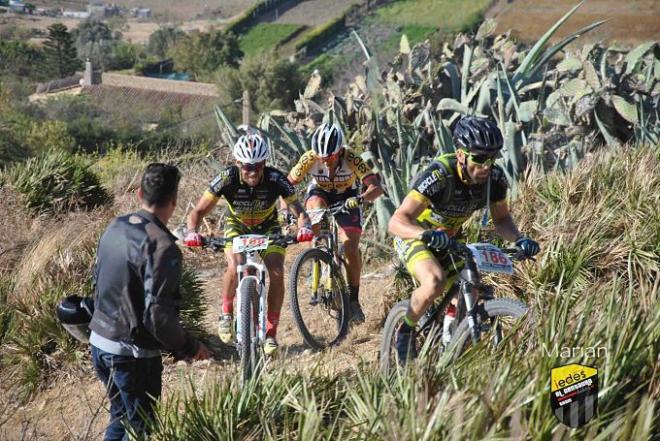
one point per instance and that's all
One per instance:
(247, 332)
(503, 315)
(319, 299)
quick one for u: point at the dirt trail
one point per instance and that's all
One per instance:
(74, 407)
(362, 340)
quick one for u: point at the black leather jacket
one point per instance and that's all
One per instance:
(138, 275)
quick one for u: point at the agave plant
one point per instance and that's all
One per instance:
(550, 111)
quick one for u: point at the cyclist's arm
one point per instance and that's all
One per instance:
(365, 174)
(503, 222)
(296, 208)
(404, 220)
(374, 189)
(204, 206)
(300, 170)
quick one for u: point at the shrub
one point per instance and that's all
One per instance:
(56, 182)
(273, 83)
(162, 40)
(193, 305)
(204, 52)
(57, 262)
(49, 136)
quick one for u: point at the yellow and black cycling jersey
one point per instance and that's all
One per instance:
(251, 205)
(448, 198)
(349, 170)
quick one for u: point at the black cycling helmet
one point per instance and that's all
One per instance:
(75, 313)
(478, 135)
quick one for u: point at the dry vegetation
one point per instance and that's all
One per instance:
(631, 22)
(598, 216)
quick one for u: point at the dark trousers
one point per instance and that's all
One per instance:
(133, 385)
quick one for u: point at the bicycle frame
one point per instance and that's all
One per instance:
(328, 241)
(470, 289)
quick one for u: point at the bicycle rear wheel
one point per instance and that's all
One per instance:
(319, 299)
(247, 332)
(503, 317)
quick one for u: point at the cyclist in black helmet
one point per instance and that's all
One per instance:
(442, 198)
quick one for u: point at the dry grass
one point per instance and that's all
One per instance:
(594, 240)
(62, 251)
(631, 22)
(15, 227)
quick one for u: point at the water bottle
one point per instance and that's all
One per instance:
(448, 321)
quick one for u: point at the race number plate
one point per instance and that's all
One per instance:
(491, 259)
(249, 242)
(316, 215)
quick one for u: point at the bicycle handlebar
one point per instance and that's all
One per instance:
(514, 253)
(217, 243)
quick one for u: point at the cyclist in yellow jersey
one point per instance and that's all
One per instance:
(442, 198)
(337, 175)
(251, 190)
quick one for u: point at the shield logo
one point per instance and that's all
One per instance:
(574, 394)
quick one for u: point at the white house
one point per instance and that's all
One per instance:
(17, 6)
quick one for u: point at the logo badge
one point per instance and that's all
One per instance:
(574, 394)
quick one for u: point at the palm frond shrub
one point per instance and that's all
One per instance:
(56, 182)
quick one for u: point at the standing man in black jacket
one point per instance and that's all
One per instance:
(138, 275)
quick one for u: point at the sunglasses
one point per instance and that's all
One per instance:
(253, 167)
(481, 159)
(330, 158)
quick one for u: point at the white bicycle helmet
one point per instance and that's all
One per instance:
(327, 140)
(251, 149)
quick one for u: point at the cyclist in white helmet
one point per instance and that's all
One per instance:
(251, 190)
(338, 174)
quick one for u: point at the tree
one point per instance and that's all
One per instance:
(273, 83)
(20, 58)
(203, 53)
(164, 39)
(60, 54)
(96, 41)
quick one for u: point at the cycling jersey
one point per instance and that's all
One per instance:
(448, 198)
(350, 168)
(251, 206)
(449, 202)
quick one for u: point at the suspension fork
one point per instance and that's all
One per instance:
(261, 336)
(469, 279)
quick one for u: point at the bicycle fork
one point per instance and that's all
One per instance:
(319, 274)
(469, 277)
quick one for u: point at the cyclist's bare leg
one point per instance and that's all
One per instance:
(275, 264)
(312, 203)
(432, 279)
(230, 280)
(350, 238)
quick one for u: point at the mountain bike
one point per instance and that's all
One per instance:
(250, 295)
(317, 284)
(479, 314)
